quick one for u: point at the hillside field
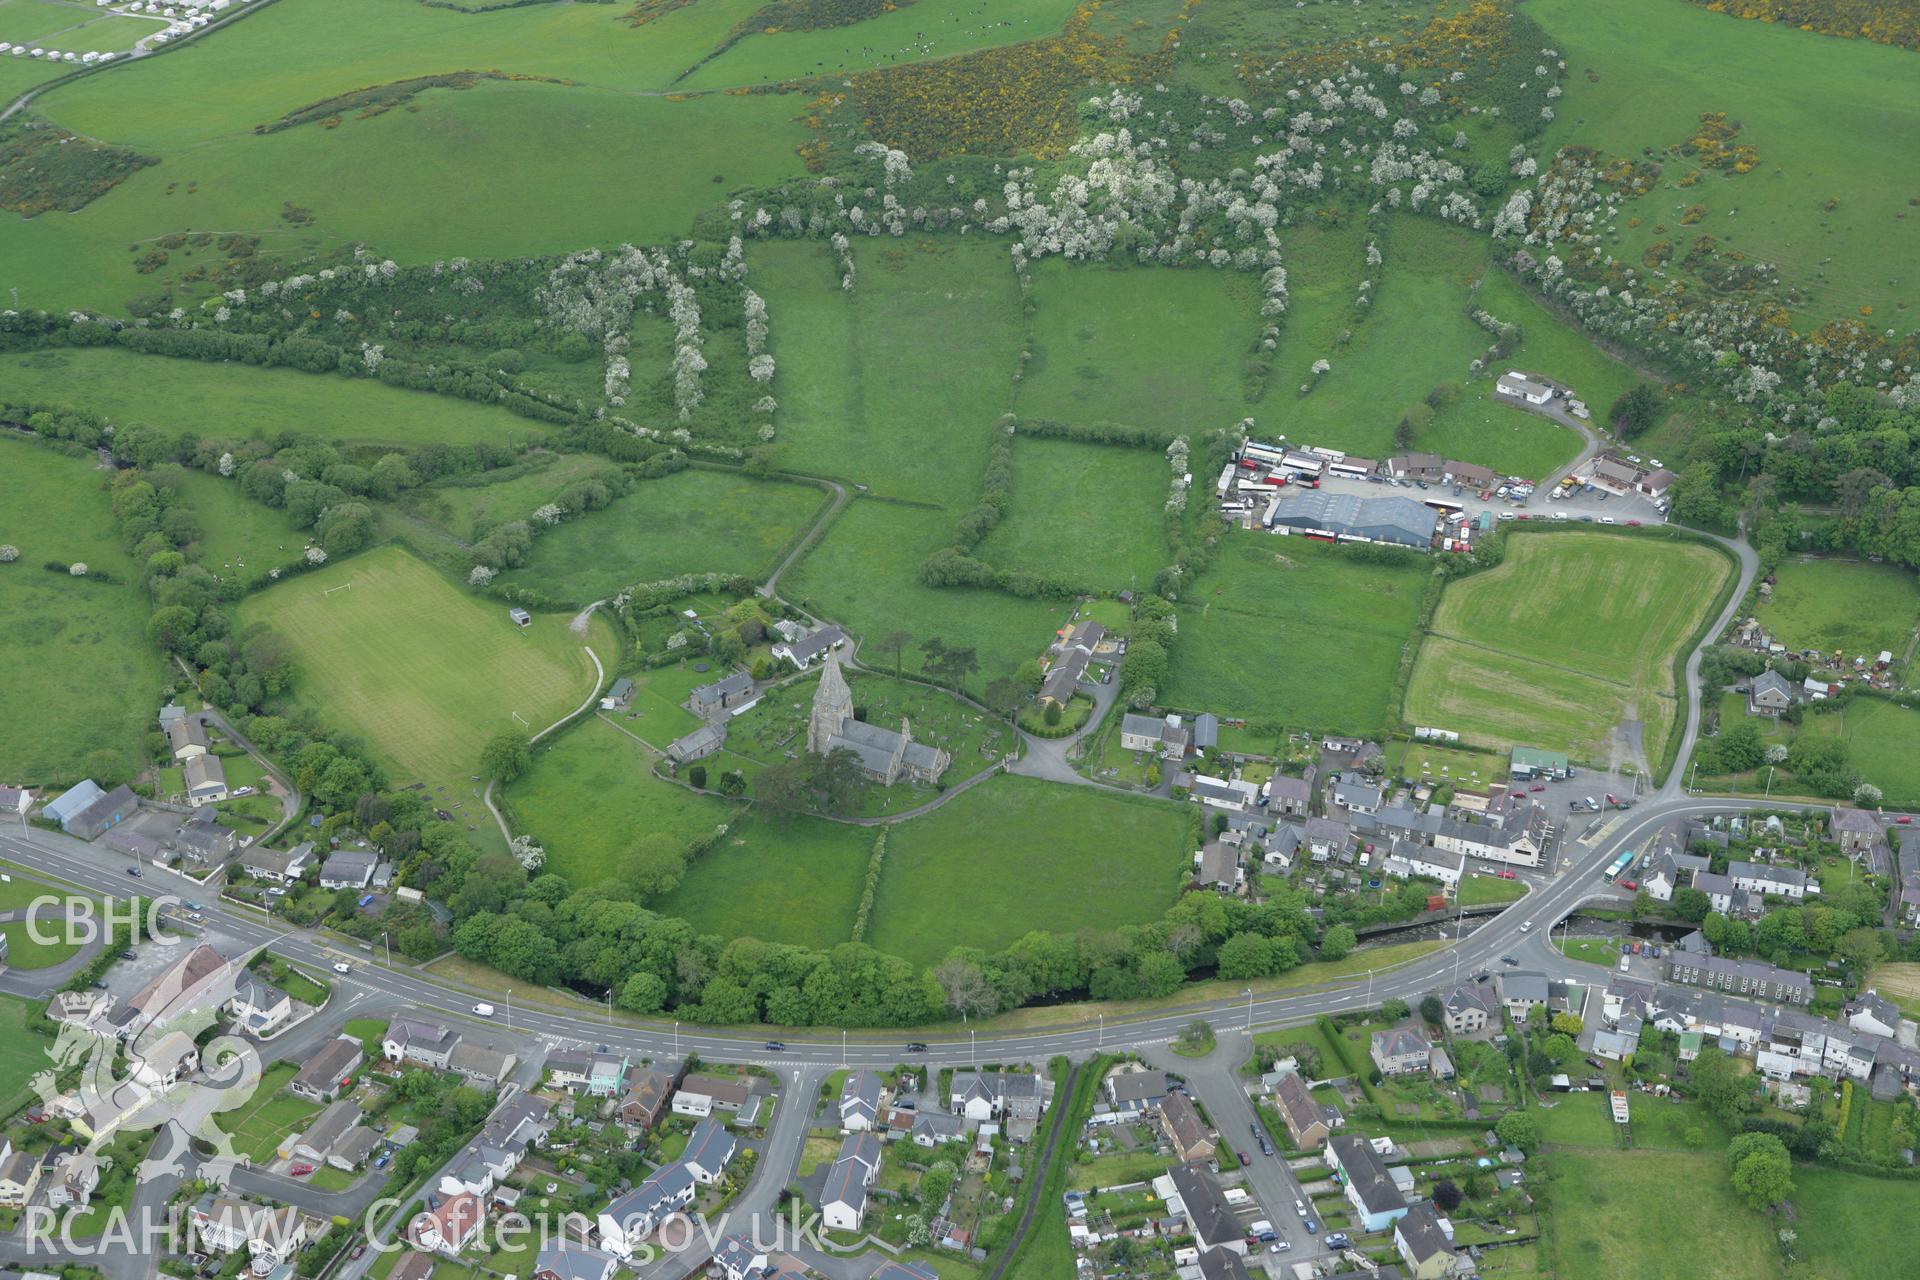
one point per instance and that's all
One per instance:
(78, 645)
(1085, 514)
(425, 670)
(1842, 605)
(1573, 635)
(1293, 632)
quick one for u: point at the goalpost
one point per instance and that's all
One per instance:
(522, 719)
(345, 586)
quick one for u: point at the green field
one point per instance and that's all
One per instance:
(943, 887)
(868, 386)
(426, 670)
(466, 509)
(244, 401)
(591, 793)
(22, 1053)
(1086, 514)
(77, 644)
(1827, 116)
(1153, 347)
(797, 884)
(1479, 890)
(1848, 606)
(1852, 1228)
(239, 539)
(270, 1117)
(1883, 744)
(1617, 1214)
(1573, 635)
(696, 521)
(864, 573)
(1294, 632)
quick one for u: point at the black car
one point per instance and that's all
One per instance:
(133, 871)
(1508, 960)
(917, 1046)
(777, 1046)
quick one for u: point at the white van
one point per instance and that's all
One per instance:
(484, 1010)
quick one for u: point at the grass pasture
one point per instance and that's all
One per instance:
(1265, 629)
(188, 395)
(1065, 839)
(694, 521)
(591, 792)
(1617, 1215)
(864, 572)
(76, 643)
(239, 539)
(1851, 1227)
(1883, 744)
(868, 384)
(1086, 514)
(1573, 635)
(1828, 117)
(799, 884)
(1148, 346)
(426, 670)
(1852, 606)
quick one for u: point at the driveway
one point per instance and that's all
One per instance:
(1049, 758)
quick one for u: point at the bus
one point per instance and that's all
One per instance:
(1254, 454)
(1619, 867)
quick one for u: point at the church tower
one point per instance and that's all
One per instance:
(832, 706)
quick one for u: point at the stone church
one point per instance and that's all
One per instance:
(884, 755)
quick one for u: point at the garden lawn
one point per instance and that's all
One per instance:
(590, 794)
(868, 383)
(188, 395)
(1448, 766)
(1084, 514)
(1843, 605)
(1617, 1215)
(1065, 858)
(1149, 346)
(1575, 633)
(1480, 890)
(864, 572)
(797, 883)
(890, 38)
(655, 713)
(425, 670)
(1828, 118)
(270, 1116)
(78, 644)
(695, 521)
(1272, 617)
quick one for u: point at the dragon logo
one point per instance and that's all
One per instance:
(143, 1068)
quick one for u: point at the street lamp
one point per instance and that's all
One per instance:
(1248, 993)
(509, 1008)
(1101, 1043)
(972, 1043)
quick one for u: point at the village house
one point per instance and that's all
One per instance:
(276, 865)
(701, 1095)
(1519, 386)
(1068, 661)
(425, 1044)
(843, 1197)
(1399, 1051)
(1289, 796)
(1210, 1218)
(19, 1179)
(629, 1220)
(646, 1099)
(15, 800)
(1520, 990)
(482, 1065)
(1469, 1008)
(1764, 879)
(932, 1128)
(258, 1006)
(1856, 830)
(1308, 1122)
(564, 1259)
(1424, 1242)
(271, 1235)
(205, 779)
(348, 869)
(1136, 1091)
(449, 1226)
(1219, 793)
(1180, 1121)
(710, 699)
(327, 1071)
(861, 1097)
(327, 1129)
(1217, 866)
(187, 738)
(710, 1149)
(1770, 694)
(1740, 977)
(807, 648)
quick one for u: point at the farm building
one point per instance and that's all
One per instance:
(1164, 736)
(1339, 517)
(699, 744)
(721, 694)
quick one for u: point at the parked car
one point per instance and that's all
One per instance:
(1506, 873)
(1338, 1240)
(299, 1171)
(1311, 1226)
(1278, 1246)
(1633, 524)
(1508, 960)
(1300, 1207)
(1629, 885)
(1903, 820)
(134, 872)
(1537, 788)
(1507, 515)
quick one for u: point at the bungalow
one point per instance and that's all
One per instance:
(1064, 674)
(1468, 475)
(1167, 737)
(72, 1180)
(275, 865)
(1136, 1092)
(258, 1006)
(563, 1259)
(205, 779)
(1614, 475)
(328, 1071)
(1181, 1122)
(932, 1128)
(1308, 1122)
(426, 1044)
(1468, 1008)
(348, 869)
(620, 696)
(1656, 482)
(1521, 387)
(187, 738)
(646, 1098)
(1415, 466)
(1220, 793)
(702, 1095)
(1376, 1200)
(843, 1197)
(709, 1150)
(1424, 1243)
(1399, 1051)
(1209, 1217)
(711, 699)
(481, 1064)
(1770, 694)
(804, 651)
(449, 1226)
(1289, 796)
(327, 1129)
(353, 1150)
